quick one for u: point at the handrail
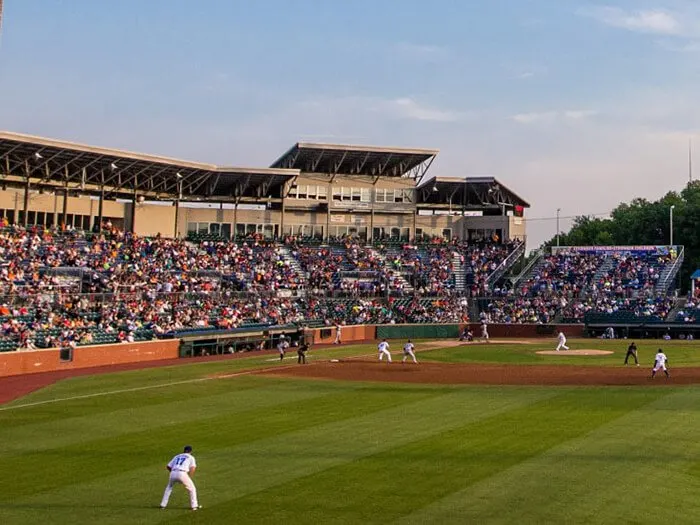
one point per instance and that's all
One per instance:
(538, 255)
(506, 263)
(674, 269)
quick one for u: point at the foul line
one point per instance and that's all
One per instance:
(140, 388)
(175, 383)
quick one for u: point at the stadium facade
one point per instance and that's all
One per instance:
(312, 190)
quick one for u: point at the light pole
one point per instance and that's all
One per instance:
(670, 213)
(558, 211)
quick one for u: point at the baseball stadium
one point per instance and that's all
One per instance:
(344, 334)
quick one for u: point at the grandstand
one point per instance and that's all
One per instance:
(105, 246)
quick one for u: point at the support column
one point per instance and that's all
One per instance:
(100, 211)
(26, 203)
(415, 224)
(283, 206)
(177, 217)
(133, 207)
(327, 235)
(235, 218)
(64, 219)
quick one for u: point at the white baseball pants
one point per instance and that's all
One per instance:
(562, 344)
(386, 353)
(407, 353)
(177, 476)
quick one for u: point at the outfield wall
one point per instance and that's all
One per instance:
(35, 361)
(365, 333)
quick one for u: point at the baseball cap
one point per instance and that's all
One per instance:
(188, 448)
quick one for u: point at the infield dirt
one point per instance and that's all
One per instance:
(482, 374)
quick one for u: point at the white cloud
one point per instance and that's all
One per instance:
(654, 21)
(420, 52)
(410, 109)
(552, 116)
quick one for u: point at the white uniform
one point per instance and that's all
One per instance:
(660, 362)
(562, 342)
(337, 335)
(484, 331)
(408, 351)
(383, 348)
(180, 467)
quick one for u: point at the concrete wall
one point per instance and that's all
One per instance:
(35, 361)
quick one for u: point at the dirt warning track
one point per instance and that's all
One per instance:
(482, 374)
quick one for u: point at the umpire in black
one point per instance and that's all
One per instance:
(301, 352)
(632, 351)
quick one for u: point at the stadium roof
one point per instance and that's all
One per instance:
(339, 159)
(474, 192)
(51, 163)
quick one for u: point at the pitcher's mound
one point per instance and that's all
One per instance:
(575, 352)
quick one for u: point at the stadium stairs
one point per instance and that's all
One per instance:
(530, 270)
(506, 265)
(293, 263)
(459, 272)
(669, 274)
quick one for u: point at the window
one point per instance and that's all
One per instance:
(398, 195)
(202, 227)
(301, 192)
(380, 195)
(250, 229)
(347, 194)
(378, 233)
(214, 228)
(10, 216)
(447, 233)
(318, 232)
(49, 219)
(86, 223)
(226, 230)
(311, 192)
(404, 234)
(419, 233)
(31, 217)
(268, 231)
(408, 195)
(191, 227)
(395, 233)
(322, 193)
(240, 230)
(41, 217)
(365, 195)
(356, 194)
(337, 194)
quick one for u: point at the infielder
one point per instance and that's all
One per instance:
(282, 347)
(562, 342)
(383, 348)
(484, 332)
(408, 351)
(632, 352)
(338, 333)
(660, 363)
(182, 468)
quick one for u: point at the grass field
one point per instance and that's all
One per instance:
(291, 451)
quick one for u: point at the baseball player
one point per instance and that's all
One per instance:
(660, 363)
(282, 347)
(632, 352)
(383, 348)
(408, 351)
(182, 468)
(338, 333)
(562, 342)
(301, 353)
(484, 331)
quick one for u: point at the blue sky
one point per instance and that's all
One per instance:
(574, 104)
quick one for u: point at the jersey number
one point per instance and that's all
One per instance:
(180, 461)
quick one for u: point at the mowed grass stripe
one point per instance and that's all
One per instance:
(100, 458)
(155, 409)
(631, 470)
(389, 485)
(163, 376)
(244, 468)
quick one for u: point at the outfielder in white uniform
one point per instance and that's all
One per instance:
(181, 469)
(408, 351)
(383, 348)
(660, 363)
(562, 342)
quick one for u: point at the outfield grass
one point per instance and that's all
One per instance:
(291, 451)
(679, 353)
